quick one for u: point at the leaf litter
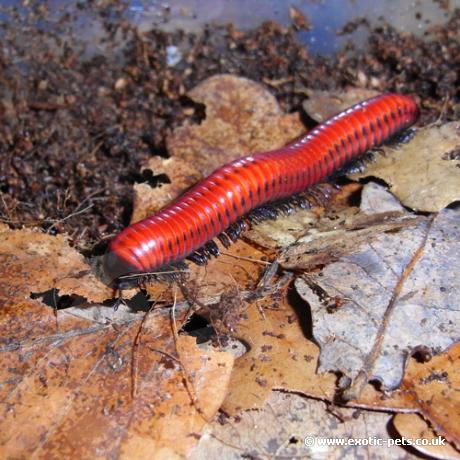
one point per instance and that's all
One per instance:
(280, 355)
(398, 292)
(99, 383)
(94, 382)
(268, 365)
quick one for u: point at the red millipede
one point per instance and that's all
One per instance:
(236, 188)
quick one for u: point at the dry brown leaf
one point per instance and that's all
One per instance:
(32, 261)
(242, 117)
(322, 105)
(413, 427)
(68, 376)
(432, 389)
(279, 357)
(425, 172)
(94, 389)
(149, 200)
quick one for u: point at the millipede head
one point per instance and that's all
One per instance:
(116, 267)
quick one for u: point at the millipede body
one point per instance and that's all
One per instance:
(230, 192)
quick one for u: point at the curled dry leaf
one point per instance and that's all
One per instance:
(242, 117)
(322, 105)
(148, 200)
(313, 237)
(101, 389)
(372, 308)
(412, 426)
(425, 172)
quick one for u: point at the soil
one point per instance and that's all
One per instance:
(74, 129)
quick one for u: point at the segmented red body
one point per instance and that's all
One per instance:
(242, 185)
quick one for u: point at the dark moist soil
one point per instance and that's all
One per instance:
(74, 130)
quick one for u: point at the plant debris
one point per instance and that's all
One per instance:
(96, 134)
(384, 315)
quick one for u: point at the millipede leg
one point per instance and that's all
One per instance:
(235, 230)
(212, 248)
(224, 239)
(402, 137)
(198, 258)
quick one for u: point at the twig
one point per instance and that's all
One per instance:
(249, 259)
(187, 381)
(136, 345)
(355, 389)
(73, 214)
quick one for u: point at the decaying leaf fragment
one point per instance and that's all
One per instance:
(395, 294)
(309, 238)
(425, 172)
(242, 117)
